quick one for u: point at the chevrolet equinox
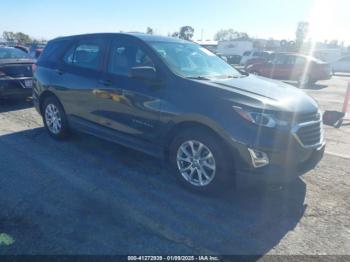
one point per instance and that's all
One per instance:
(176, 100)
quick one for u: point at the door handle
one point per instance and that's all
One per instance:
(106, 82)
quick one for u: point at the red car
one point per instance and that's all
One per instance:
(289, 66)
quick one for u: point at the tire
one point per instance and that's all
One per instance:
(54, 118)
(219, 169)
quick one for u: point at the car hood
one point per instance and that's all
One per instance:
(269, 93)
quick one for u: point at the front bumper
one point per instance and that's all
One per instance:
(294, 160)
(16, 86)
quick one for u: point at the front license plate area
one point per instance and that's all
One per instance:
(28, 83)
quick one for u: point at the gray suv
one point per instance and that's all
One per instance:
(178, 101)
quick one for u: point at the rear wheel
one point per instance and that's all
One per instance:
(200, 161)
(54, 118)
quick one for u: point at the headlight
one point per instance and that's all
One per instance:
(259, 118)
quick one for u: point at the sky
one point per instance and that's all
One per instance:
(277, 19)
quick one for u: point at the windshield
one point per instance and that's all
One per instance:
(193, 61)
(6, 53)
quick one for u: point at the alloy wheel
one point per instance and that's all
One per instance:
(196, 163)
(53, 119)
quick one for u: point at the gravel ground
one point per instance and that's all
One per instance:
(87, 196)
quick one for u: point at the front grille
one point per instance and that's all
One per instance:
(311, 134)
(308, 117)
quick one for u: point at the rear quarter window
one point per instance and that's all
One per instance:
(53, 52)
(86, 54)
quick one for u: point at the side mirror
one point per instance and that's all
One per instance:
(143, 73)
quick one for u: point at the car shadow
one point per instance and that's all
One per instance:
(312, 87)
(7, 105)
(88, 196)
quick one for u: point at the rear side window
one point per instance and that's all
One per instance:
(53, 50)
(281, 60)
(247, 53)
(86, 54)
(6, 53)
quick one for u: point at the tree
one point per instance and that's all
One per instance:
(17, 37)
(23, 38)
(186, 32)
(175, 34)
(149, 31)
(230, 34)
(301, 33)
(8, 36)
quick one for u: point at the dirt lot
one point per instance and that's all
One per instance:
(87, 196)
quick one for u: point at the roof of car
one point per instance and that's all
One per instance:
(141, 36)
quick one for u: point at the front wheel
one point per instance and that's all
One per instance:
(201, 161)
(54, 118)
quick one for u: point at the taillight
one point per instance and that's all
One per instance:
(34, 67)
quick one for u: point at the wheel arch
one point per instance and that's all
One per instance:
(202, 124)
(43, 96)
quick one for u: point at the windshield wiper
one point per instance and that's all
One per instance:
(199, 78)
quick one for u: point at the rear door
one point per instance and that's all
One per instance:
(130, 106)
(77, 78)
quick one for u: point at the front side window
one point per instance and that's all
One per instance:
(125, 56)
(193, 61)
(85, 54)
(281, 60)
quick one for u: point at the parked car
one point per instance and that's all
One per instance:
(289, 66)
(175, 100)
(36, 50)
(251, 55)
(262, 58)
(342, 65)
(16, 75)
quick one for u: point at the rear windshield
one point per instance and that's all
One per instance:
(6, 53)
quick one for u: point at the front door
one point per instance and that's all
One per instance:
(127, 105)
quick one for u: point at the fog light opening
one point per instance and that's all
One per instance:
(259, 158)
